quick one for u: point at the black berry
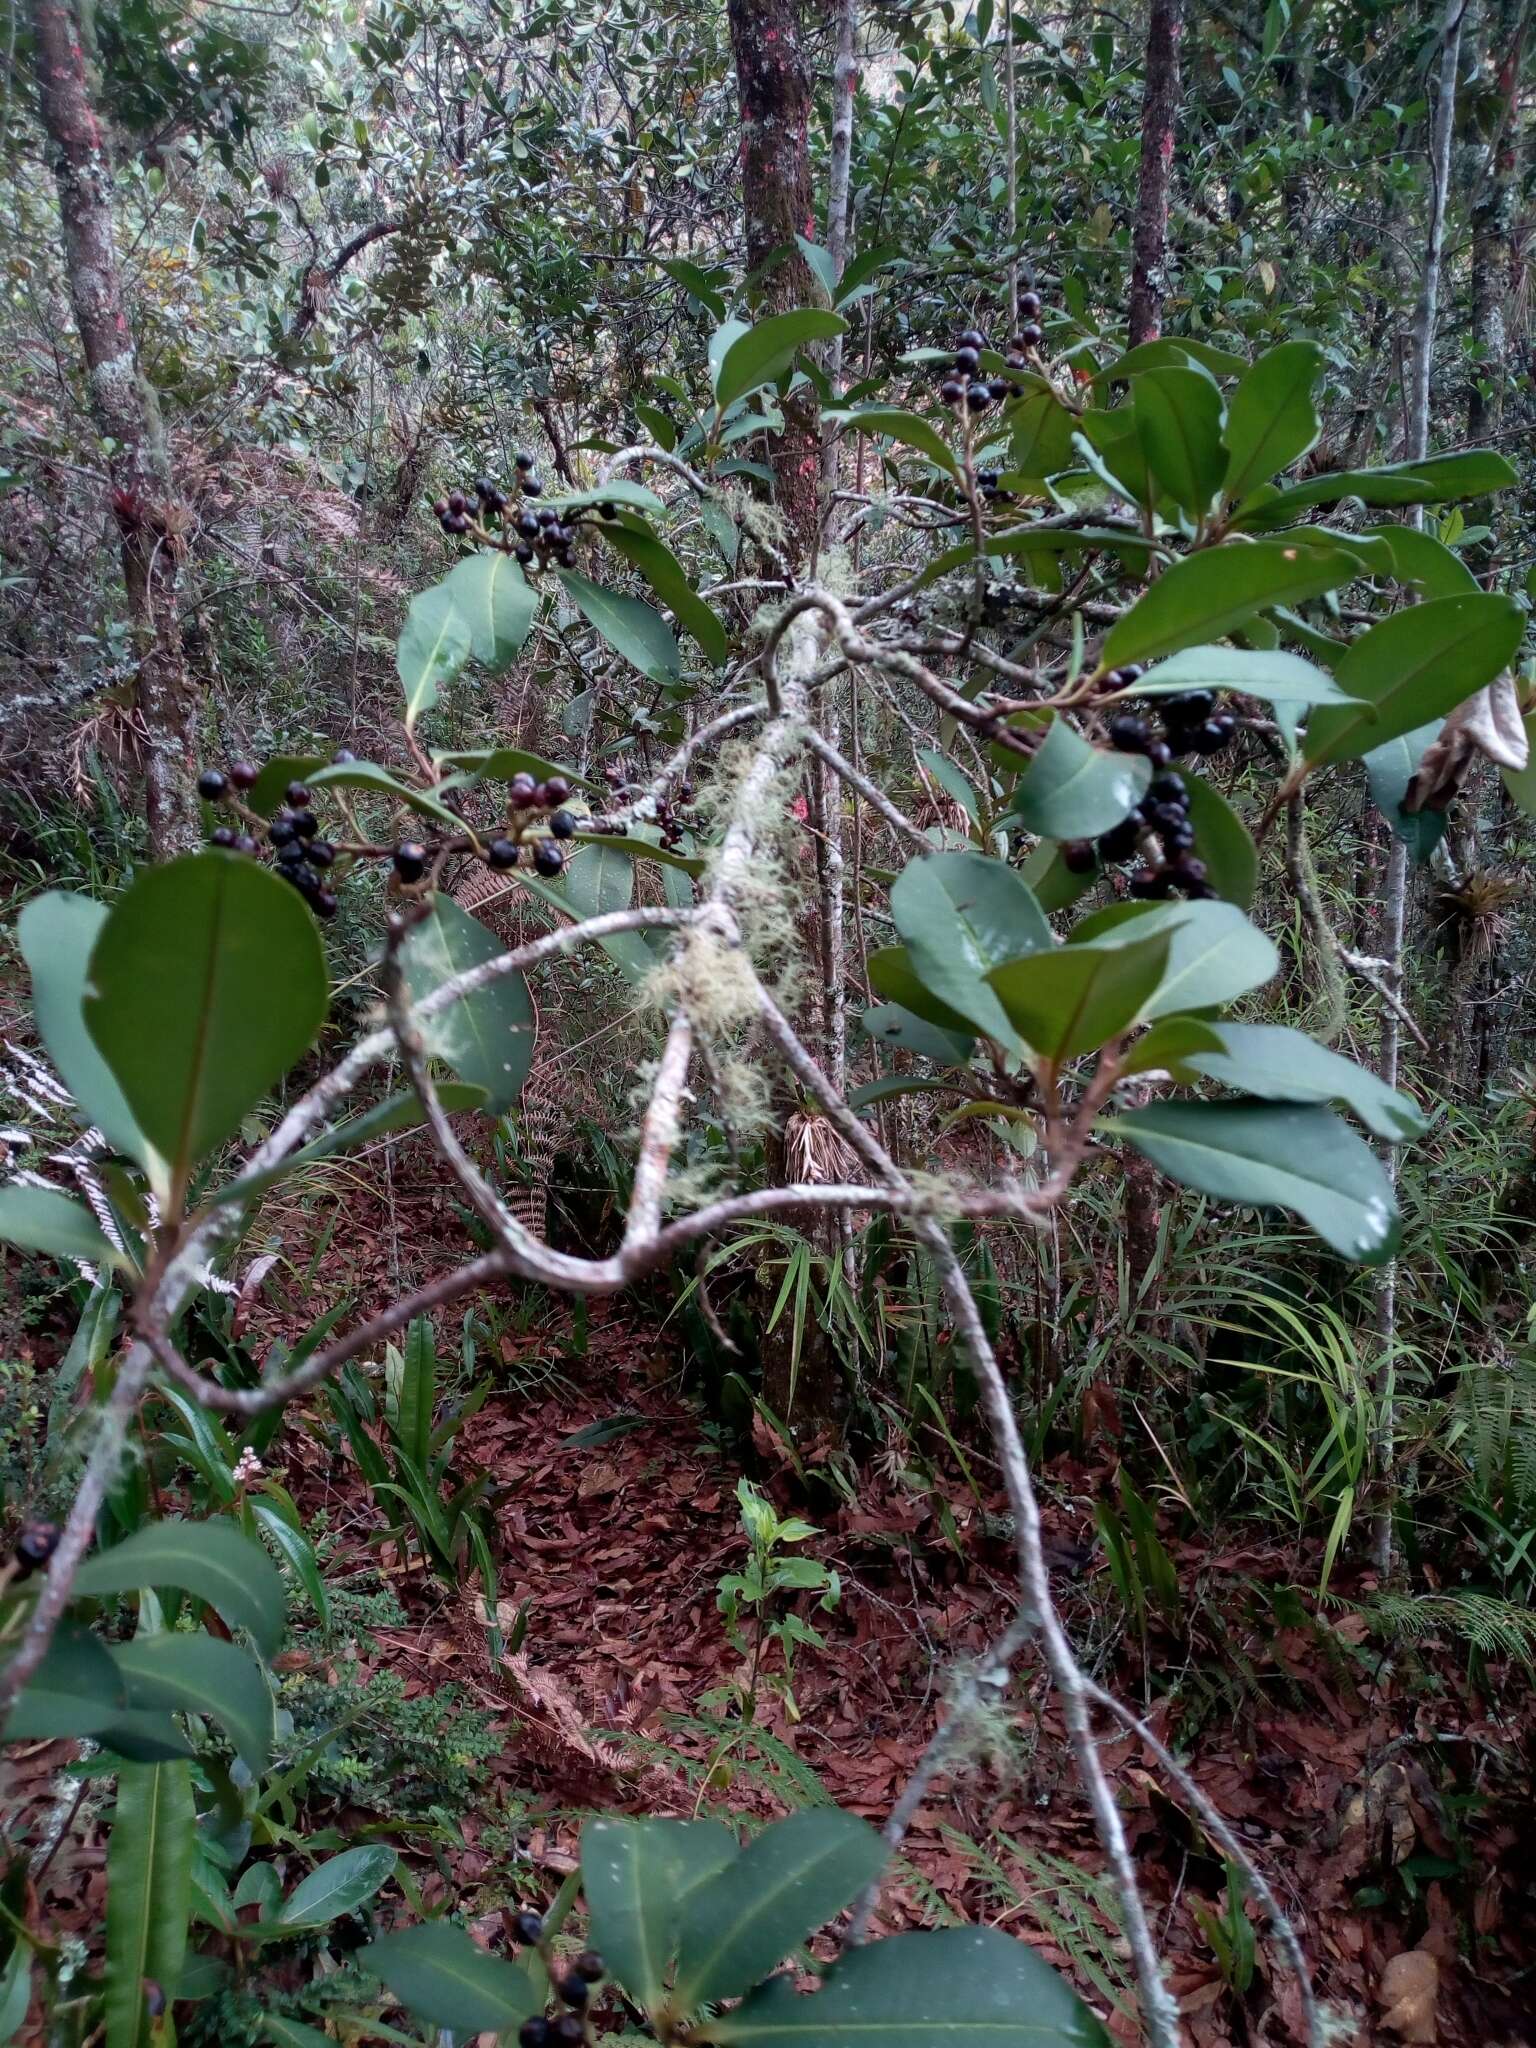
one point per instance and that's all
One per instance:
(522, 460)
(298, 795)
(242, 774)
(305, 824)
(1029, 304)
(35, 1545)
(410, 861)
(342, 755)
(952, 391)
(523, 552)
(1169, 789)
(534, 2033)
(280, 832)
(1121, 841)
(1149, 883)
(556, 790)
(533, 486)
(1031, 334)
(967, 359)
(1078, 857)
(569, 2030)
(212, 784)
(973, 338)
(221, 835)
(528, 1926)
(325, 903)
(502, 853)
(563, 825)
(521, 788)
(547, 857)
(589, 1964)
(457, 502)
(1128, 734)
(245, 844)
(321, 853)
(979, 397)
(573, 1989)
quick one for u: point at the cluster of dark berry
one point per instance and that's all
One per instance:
(524, 798)
(987, 482)
(1192, 724)
(526, 531)
(963, 386)
(573, 1983)
(1158, 834)
(302, 854)
(667, 816)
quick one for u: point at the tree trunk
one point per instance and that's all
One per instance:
(774, 87)
(1159, 115)
(1495, 262)
(150, 524)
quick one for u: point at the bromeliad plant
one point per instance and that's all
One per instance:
(1181, 596)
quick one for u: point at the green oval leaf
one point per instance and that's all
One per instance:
(1271, 421)
(1214, 954)
(366, 775)
(211, 1560)
(207, 983)
(492, 597)
(1438, 479)
(57, 933)
(1223, 842)
(962, 914)
(748, 1917)
(972, 1987)
(1281, 1065)
(635, 1874)
(1079, 997)
(1414, 666)
(766, 350)
(487, 1037)
(434, 645)
(665, 574)
(892, 975)
(1178, 422)
(1304, 1160)
(909, 428)
(631, 628)
(43, 1220)
(1268, 673)
(199, 1674)
(893, 1024)
(1208, 593)
(448, 1980)
(1072, 790)
(337, 1886)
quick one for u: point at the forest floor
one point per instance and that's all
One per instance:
(1388, 1802)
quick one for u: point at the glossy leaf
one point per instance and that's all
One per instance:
(211, 1560)
(207, 983)
(1072, 790)
(1271, 420)
(1267, 673)
(271, 784)
(493, 598)
(1214, 954)
(736, 1927)
(444, 1978)
(973, 1987)
(201, 1674)
(766, 350)
(337, 1886)
(149, 1895)
(78, 1690)
(1438, 479)
(635, 1874)
(434, 645)
(1414, 666)
(1167, 1045)
(1424, 562)
(1176, 350)
(962, 914)
(486, 1037)
(1208, 593)
(500, 764)
(1223, 842)
(299, 1554)
(1178, 422)
(666, 576)
(618, 490)
(43, 1220)
(56, 933)
(632, 629)
(1040, 432)
(645, 849)
(909, 428)
(1281, 1065)
(1079, 997)
(1272, 1156)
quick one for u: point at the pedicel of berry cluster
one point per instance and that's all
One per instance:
(571, 1978)
(535, 823)
(672, 825)
(1158, 835)
(535, 535)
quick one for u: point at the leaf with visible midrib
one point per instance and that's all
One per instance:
(1282, 1065)
(199, 1674)
(1207, 593)
(792, 1879)
(212, 1560)
(56, 933)
(44, 1220)
(962, 914)
(1412, 667)
(1072, 790)
(765, 351)
(973, 1986)
(494, 600)
(434, 645)
(1079, 997)
(486, 1037)
(632, 629)
(1305, 1160)
(1178, 422)
(1271, 420)
(448, 1980)
(208, 982)
(337, 1886)
(636, 1874)
(149, 1894)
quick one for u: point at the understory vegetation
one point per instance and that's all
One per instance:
(769, 1131)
